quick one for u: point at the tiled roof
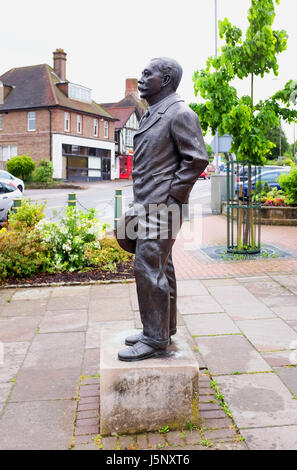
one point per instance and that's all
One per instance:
(124, 108)
(35, 87)
(122, 114)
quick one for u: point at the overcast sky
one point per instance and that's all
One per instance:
(109, 41)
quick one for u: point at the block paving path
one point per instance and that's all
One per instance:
(243, 330)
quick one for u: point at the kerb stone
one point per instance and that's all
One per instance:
(150, 394)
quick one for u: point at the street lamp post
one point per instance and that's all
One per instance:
(216, 54)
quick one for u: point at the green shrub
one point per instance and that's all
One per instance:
(27, 215)
(44, 172)
(108, 255)
(288, 183)
(287, 162)
(68, 239)
(21, 166)
(20, 255)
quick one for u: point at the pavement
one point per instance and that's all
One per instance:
(241, 321)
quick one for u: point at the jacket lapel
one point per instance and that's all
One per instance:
(151, 120)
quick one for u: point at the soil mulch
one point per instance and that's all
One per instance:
(124, 271)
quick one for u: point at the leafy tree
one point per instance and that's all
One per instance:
(224, 110)
(277, 135)
(209, 150)
(21, 166)
(256, 55)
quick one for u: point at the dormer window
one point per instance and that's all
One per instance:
(79, 93)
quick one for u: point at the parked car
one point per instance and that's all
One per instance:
(270, 177)
(8, 191)
(5, 175)
(243, 170)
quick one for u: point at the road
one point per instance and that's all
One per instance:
(101, 197)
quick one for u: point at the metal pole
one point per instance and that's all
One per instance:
(117, 206)
(216, 54)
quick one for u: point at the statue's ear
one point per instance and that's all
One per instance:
(166, 80)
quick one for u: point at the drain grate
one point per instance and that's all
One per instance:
(219, 253)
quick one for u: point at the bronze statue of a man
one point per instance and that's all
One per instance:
(169, 156)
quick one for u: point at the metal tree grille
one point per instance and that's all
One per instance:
(243, 208)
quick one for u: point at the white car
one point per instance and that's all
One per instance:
(8, 191)
(4, 175)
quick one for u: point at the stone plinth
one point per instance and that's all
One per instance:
(148, 394)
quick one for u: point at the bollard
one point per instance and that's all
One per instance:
(16, 204)
(186, 212)
(72, 200)
(117, 206)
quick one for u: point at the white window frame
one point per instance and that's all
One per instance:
(11, 150)
(79, 123)
(96, 124)
(31, 119)
(106, 129)
(1, 122)
(67, 122)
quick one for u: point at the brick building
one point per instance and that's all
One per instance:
(44, 115)
(128, 111)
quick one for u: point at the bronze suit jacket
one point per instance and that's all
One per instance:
(169, 154)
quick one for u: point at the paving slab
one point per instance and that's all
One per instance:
(14, 329)
(286, 313)
(14, 355)
(289, 281)
(71, 291)
(32, 293)
(4, 391)
(78, 302)
(61, 320)
(292, 324)
(280, 358)
(218, 354)
(229, 295)
(103, 310)
(210, 324)
(110, 291)
(91, 361)
(219, 282)
(274, 438)
(6, 295)
(190, 287)
(37, 425)
(268, 334)
(280, 301)
(93, 334)
(266, 288)
(198, 304)
(249, 311)
(258, 400)
(51, 368)
(24, 307)
(288, 376)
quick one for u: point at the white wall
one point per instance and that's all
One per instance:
(59, 139)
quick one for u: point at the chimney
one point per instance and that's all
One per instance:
(60, 63)
(132, 87)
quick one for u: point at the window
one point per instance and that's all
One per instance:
(79, 93)
(79, 124)
(1, 122)
(129, 134)
(32, 121)
(106, 129)
(7, 152)
(67, 122)
(95, 127)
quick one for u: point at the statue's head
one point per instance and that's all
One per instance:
(159, 78)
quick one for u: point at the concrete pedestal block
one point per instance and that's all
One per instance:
(148, 394)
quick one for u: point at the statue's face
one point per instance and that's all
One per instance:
(151, 81)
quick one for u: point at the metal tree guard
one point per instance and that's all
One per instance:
(243, 208)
